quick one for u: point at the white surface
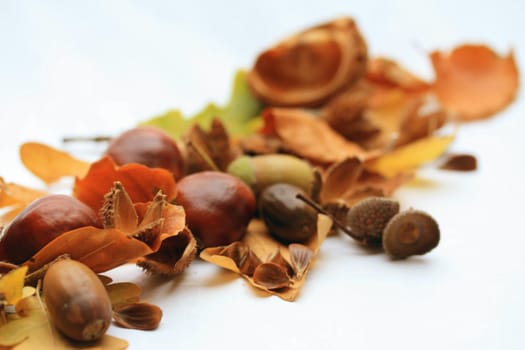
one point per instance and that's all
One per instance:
(99, 67)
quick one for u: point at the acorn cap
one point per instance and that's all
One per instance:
(411, 232)
(368, 217)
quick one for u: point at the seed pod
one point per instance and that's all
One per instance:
(411, 232)
(262, 171)
(76, 300)
(368, 217)
(288, 218)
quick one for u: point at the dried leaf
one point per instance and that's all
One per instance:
(474, 82)
(16, 197)
(261, 244)
(310, 137)
(33, 331)
(141, 183)
(409, 157)
(140, 315)
(50, 164)
(123, 293)
(100, 249)
(11, 285)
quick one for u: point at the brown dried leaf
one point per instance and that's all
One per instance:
(309, 137)
(474, 82)
(261, 244)
(140, 315)
(50, 164)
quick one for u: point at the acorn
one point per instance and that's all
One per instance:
(148, 146)
(77, 301)
(368, 218)
(218, 207)
(261, 171)
(411, 232)
(288, 219)
(42, 221)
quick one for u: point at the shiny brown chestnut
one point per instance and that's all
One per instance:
(218, 207)
(76, 300)
(42, 221)
(149, 146)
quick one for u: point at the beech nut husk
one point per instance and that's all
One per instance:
(76, 300)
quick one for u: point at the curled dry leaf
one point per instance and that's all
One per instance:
(50, 164)
(11, 286)
(309, 67)
(258, 247)
(308, 136)
(473, 81)
(141, 182)
(140, 315)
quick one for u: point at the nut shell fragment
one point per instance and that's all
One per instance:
(311, 66)
(271, 276)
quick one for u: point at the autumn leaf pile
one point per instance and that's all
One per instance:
(364, 124)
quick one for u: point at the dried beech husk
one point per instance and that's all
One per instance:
(300, 258)
(271, 275)
(140, 315)
(311, 66)
(261, 244)
(387, 72)
(125, 239)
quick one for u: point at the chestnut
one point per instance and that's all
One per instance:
(42, 221)
(148, 146)
(218, 207)
(76, 300)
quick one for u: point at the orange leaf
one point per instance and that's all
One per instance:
(474, 81)
(310, 137)
(100, 249)
(141, 182)
(50, 164)
(16, 197)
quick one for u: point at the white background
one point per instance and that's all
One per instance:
(72, 68)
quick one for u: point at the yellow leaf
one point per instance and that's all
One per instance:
(12, 283)
(33, 331)
(50, 164)
(409, 157)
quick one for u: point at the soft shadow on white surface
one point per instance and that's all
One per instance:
(88, 68)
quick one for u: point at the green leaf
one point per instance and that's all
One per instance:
(237, 115)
